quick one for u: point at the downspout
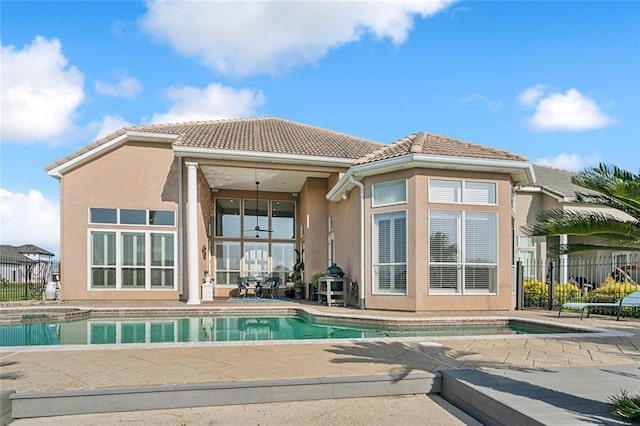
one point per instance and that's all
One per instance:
(362, 273)
(180, 229)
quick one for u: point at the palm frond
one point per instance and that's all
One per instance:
(559, 222)
(610, 187)
(613, 183)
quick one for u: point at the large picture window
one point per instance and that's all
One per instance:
(131, 260)
(462, 252)
(389, 243)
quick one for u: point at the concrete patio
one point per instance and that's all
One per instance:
(514, 373)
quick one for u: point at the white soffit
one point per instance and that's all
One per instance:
(244, 179)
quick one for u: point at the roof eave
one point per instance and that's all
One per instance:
(521, 172)
(58, 171)
(258, 156)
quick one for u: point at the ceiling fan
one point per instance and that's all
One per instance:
(257, 228)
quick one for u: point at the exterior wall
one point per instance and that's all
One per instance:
(417, 207)
(314, 212)
(346, 232)
(135, 176)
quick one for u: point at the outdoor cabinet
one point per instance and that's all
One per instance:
(333, 289)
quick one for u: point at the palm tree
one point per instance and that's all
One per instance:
(607, 186)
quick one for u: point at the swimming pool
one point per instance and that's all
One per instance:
(46, 329)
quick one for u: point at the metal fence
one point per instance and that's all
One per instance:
(556, 280)
(25, 279)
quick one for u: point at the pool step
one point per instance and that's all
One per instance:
(107, 400)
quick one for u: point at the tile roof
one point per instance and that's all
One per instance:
(557, 181)
(430, 144)
(13, 254)
(262, 134)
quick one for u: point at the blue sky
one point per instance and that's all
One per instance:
(558, 82)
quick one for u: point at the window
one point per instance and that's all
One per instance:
(283, 219)
(467, 192)
(227, 262)
(228, 217)
(132, 260)
(97, 215)
(390, 253)
(256, 259)
(462, 252)
(389, 193)
(161, 218)
(331, 246)
(283, 259)
(162, 260)
(330, 222)
(256, 213)
(133, 217)
(103, 259)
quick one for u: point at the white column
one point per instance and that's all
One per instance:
(563, 273)
(193, 279)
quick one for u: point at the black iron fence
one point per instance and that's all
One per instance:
(25, 279)
(549, 283)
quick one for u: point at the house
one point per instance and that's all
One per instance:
(424, 223)
(553, 189)
(25, 263)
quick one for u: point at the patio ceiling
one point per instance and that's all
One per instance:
(245, 179)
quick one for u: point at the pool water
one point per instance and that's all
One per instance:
(225, 329)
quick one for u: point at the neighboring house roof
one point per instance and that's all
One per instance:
(557, 182)
(31, 249)
(17, 253)
(262, 134)
(430, 144)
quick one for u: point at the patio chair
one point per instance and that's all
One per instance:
(631, 300)
(243, 285)
(272, 287)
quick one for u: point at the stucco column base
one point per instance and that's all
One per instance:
(207, 292)
(193, 302)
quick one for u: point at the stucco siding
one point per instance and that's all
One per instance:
(134, 176)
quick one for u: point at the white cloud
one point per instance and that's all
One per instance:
(245, 38)
(531, 95)
(570, 111)
(213, 102)
(108, 125)
(492, 105)
(40, 92)
(125, 87)
(29, 219)
(573, 162)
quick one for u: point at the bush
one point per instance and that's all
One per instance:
(565, 293)
(625, 406)
(611, 291)
(536, 293)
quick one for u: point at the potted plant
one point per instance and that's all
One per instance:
(313, 293)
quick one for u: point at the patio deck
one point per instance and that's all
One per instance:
(68, 370)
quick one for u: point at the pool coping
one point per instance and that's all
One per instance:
(10, 316)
